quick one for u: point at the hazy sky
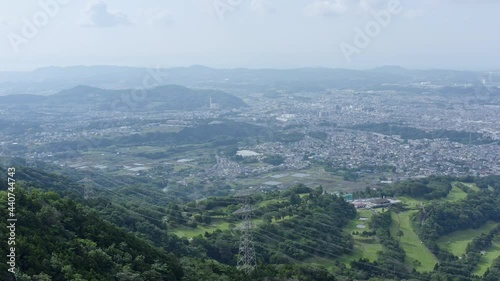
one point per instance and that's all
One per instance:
(458, 34)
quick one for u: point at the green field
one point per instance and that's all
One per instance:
(455, 194)
(363, 247)
(189, 232)
(472, 186)
(415, 250)
(269, 202)
(411, 202)
(367, 248)
(456, 242)
(491, 254)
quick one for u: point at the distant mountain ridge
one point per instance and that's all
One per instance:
(49, 80)
(168, 97)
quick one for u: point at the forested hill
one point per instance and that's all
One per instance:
(168, 97)
(59, 239)
(303, 233)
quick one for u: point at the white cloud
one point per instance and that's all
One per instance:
(262, 7)
(327, 8)
(97, 14)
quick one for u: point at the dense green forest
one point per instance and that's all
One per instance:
(59, 239)
(132, 232)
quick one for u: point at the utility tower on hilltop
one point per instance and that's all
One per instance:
(247, 260)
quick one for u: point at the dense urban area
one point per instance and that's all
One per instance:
(409, 130)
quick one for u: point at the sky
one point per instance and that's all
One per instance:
(356, 34)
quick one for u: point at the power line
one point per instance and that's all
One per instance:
(247, 260)
(246, 225)
(88, 188)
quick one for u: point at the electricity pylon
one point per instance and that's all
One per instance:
(247, 260)
(88, 188)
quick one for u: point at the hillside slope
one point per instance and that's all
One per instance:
(60, 239)
(168, 97)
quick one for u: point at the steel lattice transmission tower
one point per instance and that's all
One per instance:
(247, 260)
(88, 188)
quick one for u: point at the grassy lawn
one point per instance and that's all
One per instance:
(269, 202)
(491, 254)
(351, 226)
(411, 202)
(455, 194)
(184, 231)
(363, 247)
(457, 241)
(415, 250)
(472, 186)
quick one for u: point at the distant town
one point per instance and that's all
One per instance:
(355, 136)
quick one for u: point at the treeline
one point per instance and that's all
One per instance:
(493, 272)
(486, 182)
(442, 218)
(483, 241)
(390, 261)
(433, 187)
